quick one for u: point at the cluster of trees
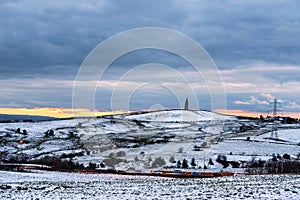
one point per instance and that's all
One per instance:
(279, 157)
(72, 155)
(158, 162)
(283, 164)
(17, 158)
(55, 162)
(58, 163)
(24, 131)
(71, 133)
(49, 133)
(61, 163)
(222, 159)
(185, 164)
(283, 120)
(255, 166)
(277, 164)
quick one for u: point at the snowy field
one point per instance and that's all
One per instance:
(56, 185)
(289, 135)
(134, 141)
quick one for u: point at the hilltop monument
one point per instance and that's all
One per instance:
(186, 104)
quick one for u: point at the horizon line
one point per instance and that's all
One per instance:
(69, 112)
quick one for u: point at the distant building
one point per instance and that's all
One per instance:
(186, 104)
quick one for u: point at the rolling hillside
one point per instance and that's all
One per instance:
(148, 140)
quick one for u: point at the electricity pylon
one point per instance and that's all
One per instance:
(274, 133)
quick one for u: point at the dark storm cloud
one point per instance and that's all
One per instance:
(46, 38)
(36, 35)
(238, 32)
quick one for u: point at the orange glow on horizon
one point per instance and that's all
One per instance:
(256, 114)
(69, 112)
(56, 112)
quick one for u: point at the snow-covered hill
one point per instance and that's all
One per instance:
(23, 118)
(178, 116)
(147, 140)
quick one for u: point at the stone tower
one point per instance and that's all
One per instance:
(186, 104)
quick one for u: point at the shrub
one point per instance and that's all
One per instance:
(279, 156)
(111, 155)
(204, 144)
(158, 162)
(210, 162)
(102, 165)
(274, 158)
(286, 156)
(193, 163)
(51, 133)
(92, 165)
(111, 162)
(180, 150)
(234, 164)
(256, 164)
(172, 159)
(136, 159)
(24, 132)
(178, 164)
(185, 164)
(222, 159)
(121, 154)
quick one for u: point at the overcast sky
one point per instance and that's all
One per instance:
(255, 45)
